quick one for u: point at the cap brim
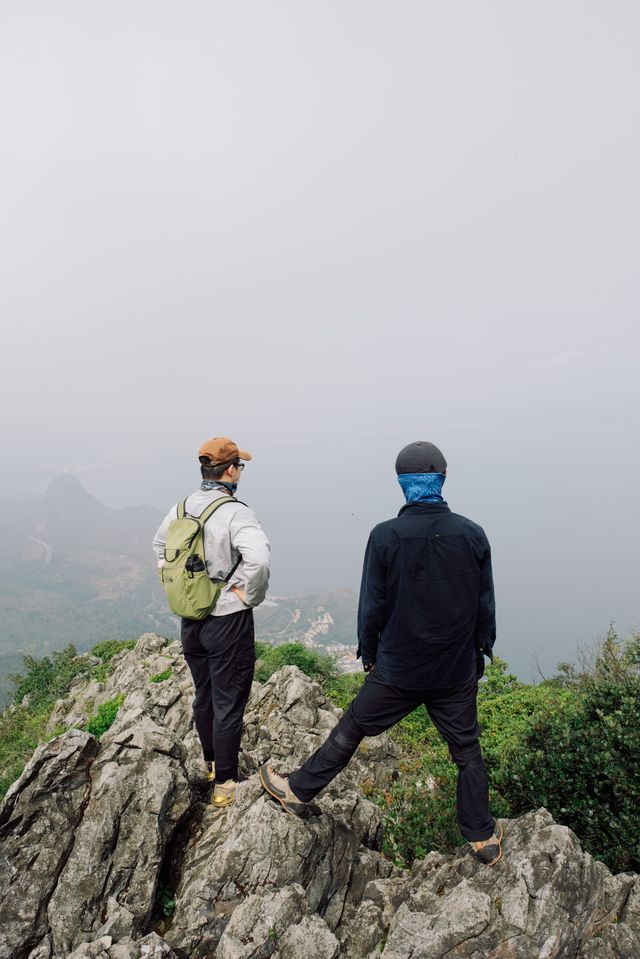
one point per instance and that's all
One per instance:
(243, 455)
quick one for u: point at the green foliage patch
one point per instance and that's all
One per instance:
(23, 725)
(111, 647)
(106, 651)
(165, 903)
(21, 731)
(160, 677)
(104, 717)
(49, 678)
(271, 658)
(581, 757)
(343, 687)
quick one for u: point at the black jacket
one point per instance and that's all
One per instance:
(427, 607)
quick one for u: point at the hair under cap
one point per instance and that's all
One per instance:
(420, 457)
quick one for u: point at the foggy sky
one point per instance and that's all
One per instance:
(326, 230)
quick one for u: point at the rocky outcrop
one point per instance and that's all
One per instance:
(38, 820)
(93, 832)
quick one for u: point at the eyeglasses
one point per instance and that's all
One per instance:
(226, 465)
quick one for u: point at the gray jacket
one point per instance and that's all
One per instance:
(232, 532)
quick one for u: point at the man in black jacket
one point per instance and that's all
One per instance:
(426, 619)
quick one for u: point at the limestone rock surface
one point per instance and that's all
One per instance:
(96, 837)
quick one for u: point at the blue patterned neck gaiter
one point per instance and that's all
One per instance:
(422, 487)
(215, 484)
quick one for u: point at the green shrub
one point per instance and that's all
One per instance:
(497, 681)
(343, 687)
(106, 651)
(104, 717)
(23, 728)
(271, 658)
(21, 731)
(419, 810)
(102, 672)
(49, 678)
(581, 758)
(507, 719)
(44, 681)
(111, 647)
(160, 677)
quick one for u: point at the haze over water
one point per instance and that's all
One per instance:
(327, 231)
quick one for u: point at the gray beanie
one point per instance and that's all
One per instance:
(420, 457)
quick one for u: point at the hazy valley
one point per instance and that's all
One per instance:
(76, 571)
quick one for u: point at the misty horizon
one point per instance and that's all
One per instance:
(530, 655)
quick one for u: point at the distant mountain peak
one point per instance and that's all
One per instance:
(65, 484)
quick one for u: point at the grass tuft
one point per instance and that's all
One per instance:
(104, 717)
(161, 677)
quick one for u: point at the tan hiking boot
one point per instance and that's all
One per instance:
(211, 772)
(224, 794)
(277, 785)
(489, 851)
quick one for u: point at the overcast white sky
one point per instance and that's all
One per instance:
(327, 229)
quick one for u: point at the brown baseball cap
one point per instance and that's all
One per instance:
(221, 449)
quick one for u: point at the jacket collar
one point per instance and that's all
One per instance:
(424, 507)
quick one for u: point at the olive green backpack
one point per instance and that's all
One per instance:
(184, 574)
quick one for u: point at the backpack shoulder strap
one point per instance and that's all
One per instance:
(204, 516)
(212, 507)
(207, 511)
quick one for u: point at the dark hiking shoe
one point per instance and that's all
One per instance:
(277, 785)
(489, 851)
(224, 794)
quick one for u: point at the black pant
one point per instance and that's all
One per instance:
(220, 652)
(376, 708)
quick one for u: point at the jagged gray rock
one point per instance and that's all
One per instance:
(38, 820)
(149, 947)
(139, 793)
(545, 899)
(255, 846)
(91, 828)
(309, 937)
(260, 920)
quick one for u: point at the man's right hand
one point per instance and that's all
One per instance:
(368, 667)
(240, 593)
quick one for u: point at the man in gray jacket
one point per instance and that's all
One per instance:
(220, 650)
